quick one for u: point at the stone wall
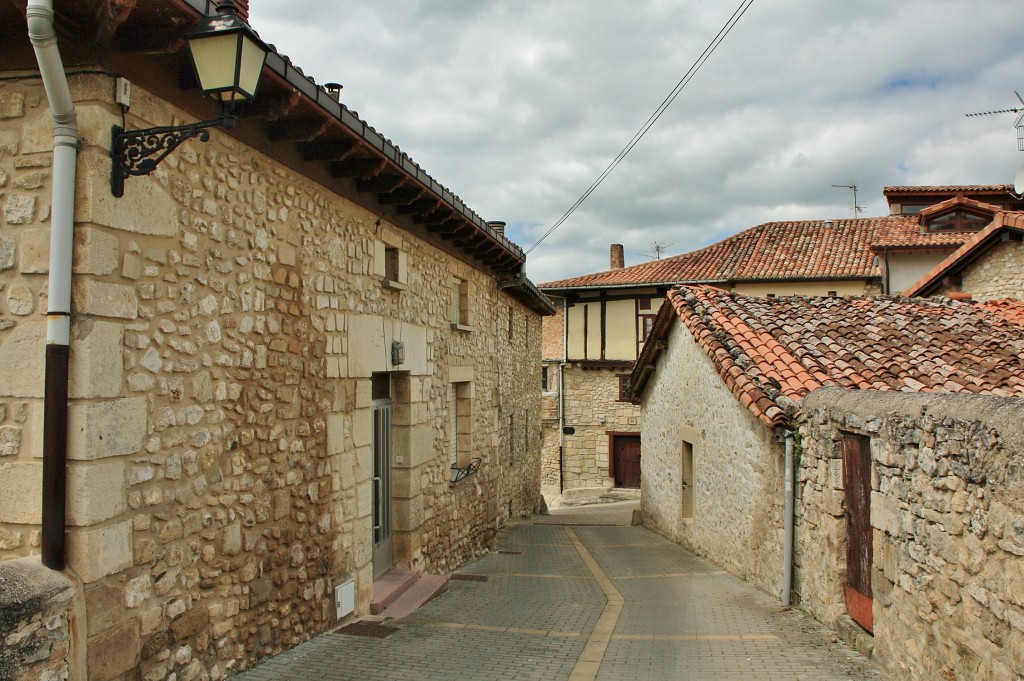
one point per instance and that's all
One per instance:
(229, 315)
(728, 505)
(947, 511)
(593, 409)
(35, 622)
(999, 273)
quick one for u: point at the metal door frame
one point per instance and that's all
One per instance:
(383, 542)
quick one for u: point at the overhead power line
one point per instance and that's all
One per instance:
(671, 97)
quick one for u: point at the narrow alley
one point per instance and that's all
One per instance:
(582, 595)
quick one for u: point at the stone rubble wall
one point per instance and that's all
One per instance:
(947, 508)
(997, 274)
(737, 482)
(590, 396)
(228, 315)
(35, 622)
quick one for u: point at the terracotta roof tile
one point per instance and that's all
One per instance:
(775, 250)
(772, 352)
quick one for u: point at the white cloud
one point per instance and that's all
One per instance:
(518, 106)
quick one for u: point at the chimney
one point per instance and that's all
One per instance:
(334, 90)
(243, 9)
(618, 259)
(498, 226)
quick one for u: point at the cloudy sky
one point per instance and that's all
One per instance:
(517, 106)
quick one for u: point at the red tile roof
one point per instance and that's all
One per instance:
(979, 241)
(807, 250)
(1010, 310)
(772, 352)
(947, 188)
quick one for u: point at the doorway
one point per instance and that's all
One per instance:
(857, 486)
(624, 462)
(383, 545)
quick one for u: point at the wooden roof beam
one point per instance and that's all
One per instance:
(327, 150)
(357, 167)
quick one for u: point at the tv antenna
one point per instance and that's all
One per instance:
(857, 210)
(1017, 123)
(658, 250)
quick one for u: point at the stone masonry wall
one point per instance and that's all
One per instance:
(997, 274)
(593, 409)
(947, 509)
(228, 316)
(737, 479)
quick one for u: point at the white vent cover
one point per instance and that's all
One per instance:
(345, 599)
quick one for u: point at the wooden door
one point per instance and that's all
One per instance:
(626, 460)
(857, 483)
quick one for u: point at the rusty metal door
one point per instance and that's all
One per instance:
(626, 464)
(857, 483)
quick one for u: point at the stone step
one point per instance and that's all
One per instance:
(425, 589)
(390, 586)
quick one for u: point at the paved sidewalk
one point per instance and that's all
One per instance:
(582, 602)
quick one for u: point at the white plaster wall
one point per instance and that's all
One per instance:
(738, 471)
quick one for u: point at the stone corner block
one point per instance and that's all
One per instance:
(103, 299)
(145, 208)
(96, 365)
(21, 501)
(96, 491)
(95, 252)
(114, 652)
(24, 348)
(94, 553)
(97, 430)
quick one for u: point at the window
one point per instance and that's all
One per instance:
(832, 294)
(645, 303)
(957, 221)
(511, 319)
(623, 382)
(460, 427)
(392, 267)
(646, 325)
(459, 304)
(545, 379)
(686, 480)
(511, 438)
(770, 296)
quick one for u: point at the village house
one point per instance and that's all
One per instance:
(591, 435)
(990, 265)
(297, 361)
(858, 456)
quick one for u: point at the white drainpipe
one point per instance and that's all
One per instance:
(39, 14)
(787, 550)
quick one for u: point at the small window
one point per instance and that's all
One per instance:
(459, 303)
(686, 480)
(460, 419)
(511, 320)
(393, 268)
(645, 303)
(770, 296)
(545, 379)
(623, 384)
(833, 294)
(381, 389)
(646, 325)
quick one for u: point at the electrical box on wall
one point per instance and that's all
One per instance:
(345, 599)
(123, 92)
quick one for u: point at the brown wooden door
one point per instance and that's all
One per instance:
(857, 483)
(626, 460)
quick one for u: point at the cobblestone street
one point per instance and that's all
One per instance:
(563, 599)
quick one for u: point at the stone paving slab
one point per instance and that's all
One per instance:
(584, 602)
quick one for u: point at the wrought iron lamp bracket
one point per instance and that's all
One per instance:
(139, 152)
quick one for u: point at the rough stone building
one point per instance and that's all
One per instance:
(892, 493)
(268, 332)
(989, 266)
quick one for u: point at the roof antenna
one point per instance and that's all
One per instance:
(1017, 123)
(658, 250)
(857, 210)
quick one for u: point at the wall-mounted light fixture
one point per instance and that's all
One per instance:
(228, 58)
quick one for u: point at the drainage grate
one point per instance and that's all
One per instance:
(465, 577)
(506, 552)
(368, 629)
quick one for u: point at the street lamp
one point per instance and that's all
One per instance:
(228, 59)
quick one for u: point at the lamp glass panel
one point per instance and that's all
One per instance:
(214, 58)
(253, 57)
